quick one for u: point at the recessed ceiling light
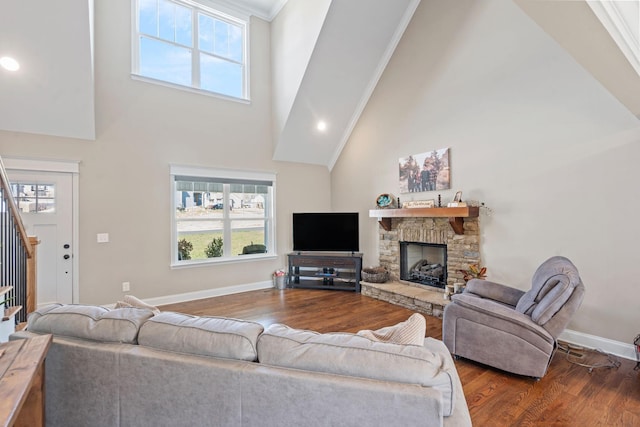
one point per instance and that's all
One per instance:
(9, 63)
(321, 126)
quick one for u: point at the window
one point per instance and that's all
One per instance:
(221, 215)
(34, 198)
(184, 43)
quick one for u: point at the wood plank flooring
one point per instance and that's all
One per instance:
(567, 396)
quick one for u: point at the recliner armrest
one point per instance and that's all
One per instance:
(494, 291)
(500, 311)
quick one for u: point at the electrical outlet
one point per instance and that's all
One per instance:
(102, 237)
(126, 286)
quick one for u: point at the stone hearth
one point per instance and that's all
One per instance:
(414, 298)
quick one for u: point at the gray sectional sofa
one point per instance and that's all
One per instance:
(129, 367)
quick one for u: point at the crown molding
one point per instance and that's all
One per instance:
(619, 23)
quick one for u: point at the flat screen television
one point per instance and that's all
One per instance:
(329, 232)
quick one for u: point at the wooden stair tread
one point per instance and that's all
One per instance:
(5, 289)
(21, 326)
(10, 311)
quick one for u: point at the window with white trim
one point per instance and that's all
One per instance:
(221, 215)
(185, 43)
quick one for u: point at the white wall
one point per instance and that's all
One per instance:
(124, 173)
(532, 135)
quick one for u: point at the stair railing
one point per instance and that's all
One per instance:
(17, 254)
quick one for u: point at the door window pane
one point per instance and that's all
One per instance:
(34, 198)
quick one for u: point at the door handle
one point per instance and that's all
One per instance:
(66, 256)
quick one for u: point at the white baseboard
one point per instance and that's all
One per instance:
(208, 293)
(616, 348)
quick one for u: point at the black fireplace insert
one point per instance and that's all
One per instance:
(424, 263)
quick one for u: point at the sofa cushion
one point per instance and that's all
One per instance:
(204, 336)
(353, 355)
(90, 322)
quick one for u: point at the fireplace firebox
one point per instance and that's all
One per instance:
(424, 263)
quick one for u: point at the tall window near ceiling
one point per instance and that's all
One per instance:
(184, 43)
(221, 215)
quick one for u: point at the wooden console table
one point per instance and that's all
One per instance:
(22, 381)
(325, 271)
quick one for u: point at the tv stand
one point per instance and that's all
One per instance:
(336, 271)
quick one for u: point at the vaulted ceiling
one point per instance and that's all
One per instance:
(329, 78)
(53, 92)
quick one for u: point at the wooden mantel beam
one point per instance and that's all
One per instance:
(456, 215)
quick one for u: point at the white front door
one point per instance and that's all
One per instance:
(45, 202)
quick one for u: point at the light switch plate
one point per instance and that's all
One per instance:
(103, 237)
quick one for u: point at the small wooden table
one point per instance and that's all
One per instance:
(22, 381)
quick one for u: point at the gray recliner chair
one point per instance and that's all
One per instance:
(510, 329)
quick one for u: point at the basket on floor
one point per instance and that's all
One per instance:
(375, 274)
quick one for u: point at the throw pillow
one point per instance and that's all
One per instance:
(122, 304)
(411, 331)
(131, 301)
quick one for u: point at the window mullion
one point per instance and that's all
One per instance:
(195, 51)
(226, 219)
(222, 58)
(157, 18)
(169, 42)
(175, 22)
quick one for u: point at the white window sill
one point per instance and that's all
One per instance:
(221, 260)
(189, 89)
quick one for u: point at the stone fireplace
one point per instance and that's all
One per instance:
(455, 229)
(461, 249)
